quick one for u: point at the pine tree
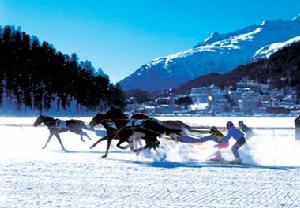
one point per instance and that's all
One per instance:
(35, 74)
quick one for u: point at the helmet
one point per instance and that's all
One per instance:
(241, 123)
(213, 129)
(229, 124)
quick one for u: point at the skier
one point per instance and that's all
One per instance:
(297, 128)
(221, 144)
(238, 136)
(246, 130)
(216, 136)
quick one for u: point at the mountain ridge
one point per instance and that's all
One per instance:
(218, 53)
(276, 70)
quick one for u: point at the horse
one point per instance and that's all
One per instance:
(123, 134)
(113, 132)
(127, 130)
(56, 126)
(171, 124)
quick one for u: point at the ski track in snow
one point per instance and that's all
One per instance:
(178, 177)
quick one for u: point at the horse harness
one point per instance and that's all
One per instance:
(60, 124)
(133, 124)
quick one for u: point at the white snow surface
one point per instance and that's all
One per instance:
(267, 51)
(177, 176)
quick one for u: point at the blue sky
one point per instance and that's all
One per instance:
(121, 35)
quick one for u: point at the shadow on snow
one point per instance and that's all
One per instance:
(170, 165)
(191, 164)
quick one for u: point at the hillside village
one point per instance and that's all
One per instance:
(249, 98)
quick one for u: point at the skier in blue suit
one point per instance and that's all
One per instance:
(238, 136)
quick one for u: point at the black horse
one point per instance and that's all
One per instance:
(57, 126)
(171, 124)
(112, 131)
(121, 128)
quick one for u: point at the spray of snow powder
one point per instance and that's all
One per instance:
(274, 146)
(267, 147)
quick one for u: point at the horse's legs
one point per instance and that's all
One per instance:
(59, 140)
(138, 143)
(151, 142)
(48, 140)
(107, 148)
(97, 142)
(81, 138)
(81, 133)
(121, 142)
(138, 146)
(85, 134)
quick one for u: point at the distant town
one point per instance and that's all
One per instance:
(248, 98)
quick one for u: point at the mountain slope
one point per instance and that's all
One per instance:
(218, 53)
(281, 69)
(267, 51)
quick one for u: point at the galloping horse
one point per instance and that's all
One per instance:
(56, 126)
(112, 131)
(121, 128)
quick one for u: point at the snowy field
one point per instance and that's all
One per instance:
(177, 176)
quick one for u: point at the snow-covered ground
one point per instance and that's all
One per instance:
(176, 177)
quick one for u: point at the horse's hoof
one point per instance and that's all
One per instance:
(104, 156)
(91, 147)
(122, 148)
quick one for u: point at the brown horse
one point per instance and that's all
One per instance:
(121, 128)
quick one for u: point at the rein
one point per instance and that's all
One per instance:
(131, 123)
(56, 123)
(140, 127)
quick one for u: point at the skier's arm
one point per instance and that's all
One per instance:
(227, 137)
(207, 138)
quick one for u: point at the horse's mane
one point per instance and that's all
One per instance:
(115, 113)
(119, 118)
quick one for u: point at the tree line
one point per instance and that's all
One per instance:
(36, 75)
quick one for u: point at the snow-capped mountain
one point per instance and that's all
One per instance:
(267, 51)
(217, 53)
